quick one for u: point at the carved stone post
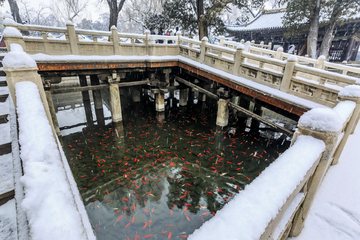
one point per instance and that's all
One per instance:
(349, 93)
(178, 34)
(147, 34)
(320, 62)
(330, 137)
(238, 60)
(72, 38)
(288, 73)
(183, 97)
(222, 114)
(12, 34)
(278, 54)
(222, 41)
(204, 41)
(115, 38)
(26, 70)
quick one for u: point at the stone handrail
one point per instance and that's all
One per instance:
(258, 63)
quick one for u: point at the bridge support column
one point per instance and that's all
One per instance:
(222, 114)
(183, 97)
(86, 100)
(349, 128)
(115, 102)
(255, 124)
(235, 100)
(136, 95)
(97, 101)
(330, 140)
(160, 102)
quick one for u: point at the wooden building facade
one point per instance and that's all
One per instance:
(267, 27)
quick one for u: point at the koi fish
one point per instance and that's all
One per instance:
(169, 236)
(164, 232)
(127, 225)
(150, 222)
(132, 221)
(185, 209)
(145, 224)
(182, 196)
(125, 199)
(148, 236)
(187, 217)
(137, 237)
(146, 211)
(119, 218)
(170, 225)
(152, 209)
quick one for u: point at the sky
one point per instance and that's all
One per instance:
(92, 12)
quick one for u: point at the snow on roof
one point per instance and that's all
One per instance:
(263, 21)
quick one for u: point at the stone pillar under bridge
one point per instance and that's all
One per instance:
(97, 101)
(222, 114)
(86, 101)
(183, 97)
(160, 102)
(115, 101)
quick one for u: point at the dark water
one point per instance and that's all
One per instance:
(157, 175)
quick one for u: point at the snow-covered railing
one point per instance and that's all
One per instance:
(276, 204)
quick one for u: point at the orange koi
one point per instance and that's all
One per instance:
(187, 217)
(150, 222)
(169, 236)
(184, 236)
(132, 221)
(152, 209)
(146, 211)
(185, 209)
(145, 224)
(137, 237)
(171, 212)
(148, 236)
(164, 232)
(127, 225)
(183, 196)
(108, 200)
(169, 225)
(119, 218)
(125, 199)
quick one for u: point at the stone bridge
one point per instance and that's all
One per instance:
(233, 73)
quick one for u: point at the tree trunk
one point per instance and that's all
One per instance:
(313, 32)
(15, 11)
(327, 40)
(202, 25)
(114, 11)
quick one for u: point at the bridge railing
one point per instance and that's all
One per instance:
(253, 61)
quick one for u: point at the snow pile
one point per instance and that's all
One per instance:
(321, 119)
(7, 15)
(292, 58)
(17, 58)
(12, 32)
(9, 21)
(345, 109)
(204, 39)
(8, 221)
(48, 201)
(249, 213)
(350, 91)
(68, 22)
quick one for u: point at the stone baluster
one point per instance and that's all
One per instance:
(204, 41)
(330, 137)
(288, 73)
(278, 54)
(115, 39)
(238, 59)
(252, 43)
(345, 95)
(147, 40)
(223, 113)
(222, 41)
(72, 38)
(178, 34)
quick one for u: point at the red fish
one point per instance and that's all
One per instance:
(125, 199)
(185, 209)
(146, 211)
(169, 236)
(164, 232)
(145, 224)
(132, 221)
(152, 209)
(119, 218)
(127, 225)
(148, 236)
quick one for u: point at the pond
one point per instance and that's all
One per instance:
(160, 176)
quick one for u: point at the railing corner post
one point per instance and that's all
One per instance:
(222, 41)
(204, 41)
(72, 38)
(238, 59)
(320, 62)
(115, 37)
(330, 138)
(278, 54)
(288, 74)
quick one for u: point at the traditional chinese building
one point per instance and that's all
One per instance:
(268, 27)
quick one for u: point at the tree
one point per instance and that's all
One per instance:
(115, 7)
(303, 17)
(15, 11)
(68, 9)
(333, 12)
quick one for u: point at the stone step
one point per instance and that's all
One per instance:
(3, 97)
(4, 118)
(5, 148)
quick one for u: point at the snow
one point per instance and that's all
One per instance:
(345, 109)
(8, 221)
(335, 213)
(273, 20)
(289, 212)
(17, 168)
(204, 39)
(7, 15)
(6, 174)
(240, 46)
(48, 202)
(321, 119)
(17, 58)
(11, 31)
(68, 22)
(249, 213)
(9, 21)
(113, 27)
(350, 91)
(292, 58)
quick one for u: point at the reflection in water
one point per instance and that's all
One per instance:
(160, 175)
